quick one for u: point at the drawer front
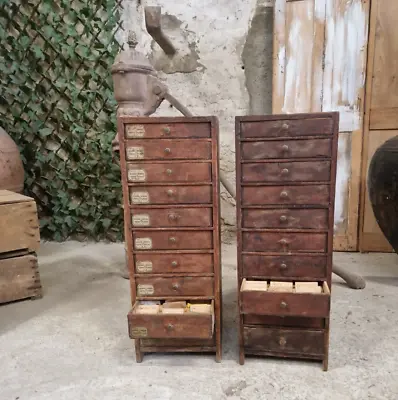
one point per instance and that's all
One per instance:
(197, 326)
(176, 286)
(287, 149)
(173, 263)
(287, 128)
(169, 240)
(172, 130)
(171, 195)
(287, 266)
(168, 149)
(297, 171)
(171, 217)
(284, 242)
(275, 195)
(285, 304)
(289, 322)
(285, 219)
(170, 172)
(288, 341)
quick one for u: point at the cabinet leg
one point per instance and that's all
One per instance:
(241, 356)
(218, 355)
(325, 363)
(138, 353)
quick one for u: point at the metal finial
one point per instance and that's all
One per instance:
(132, 40)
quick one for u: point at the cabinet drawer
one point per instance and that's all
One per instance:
(169, 240)
(171, 195)
(285, 219)
(268, 195)
(176, 286)
(287, 322)
(173, 263)
(285, 304)
(287, 128)
(169, 172)
(188, 325)
(171, 217)
(284, 242)
(171, 130)
(310, 148)
(285, 341)
(168, 149)
(292, 267)
(296, 171)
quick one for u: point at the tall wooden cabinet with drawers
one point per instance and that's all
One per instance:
(286, 168)
(169, 170)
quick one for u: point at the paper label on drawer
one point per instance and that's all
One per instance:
(140, 197)
(141, 220)
(135, 153)
(135, 131)
(145, 290)
(136, 175)
(144, 266)
(143, 243)
(139, 331)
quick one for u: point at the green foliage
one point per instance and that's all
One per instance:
(56, 101)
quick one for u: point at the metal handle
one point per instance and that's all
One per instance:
(285, 148)
(284, 242)
(285, 171)
(176, 286)
(170, 327)
(169, 171)
(174, 263)
(285, 126)
(283, 304)
(166, 130)
(283, 218)
(173, 217)
(282, 341)
(170, 193)
(167, 150)
(172, 239)
(284, 195)
(283, 266)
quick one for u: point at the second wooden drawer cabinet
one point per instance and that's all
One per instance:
(286, 169)
(171, 211)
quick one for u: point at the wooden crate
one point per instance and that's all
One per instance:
(19, 278)
(19, 223)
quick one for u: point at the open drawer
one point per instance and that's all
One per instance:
(189, 323)
(256, 298)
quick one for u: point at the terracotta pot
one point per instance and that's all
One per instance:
(11, 168)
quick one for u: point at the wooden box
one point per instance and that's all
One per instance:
(286, 171)
(170, 182)
(19, 223)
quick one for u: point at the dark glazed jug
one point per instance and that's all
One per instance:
(11, 168)
(383, 189)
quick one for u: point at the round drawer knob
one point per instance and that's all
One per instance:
(283, 304)
(166, 130)
(170, 193)
(176, 286)
(167, 150)
(285, 126)
(285, 148)
(283, 266)
(284, 195)
(169, 171)
(283, 218)
(172, 239)
(170, 327)
(174, 263)
(283, 242)
(285, 171)
(282, 342)
(173, 217)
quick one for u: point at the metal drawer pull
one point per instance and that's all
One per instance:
(170, 193)
(285, 126)
(284, 195)
(283, 218)
(167, 150)
(285, 148)
(172, 239)
(285, 171)
(170, 327)
(173, 217)
(166, 130)
(176, 286)
(283, 266)
(283, 242)
(169, 171)
(282, 341)
(174, 263)
(283, 304)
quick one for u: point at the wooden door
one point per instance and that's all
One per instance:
(320, 51)
(381, 115)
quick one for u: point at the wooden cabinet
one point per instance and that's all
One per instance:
(170, 183)
(285, 206)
